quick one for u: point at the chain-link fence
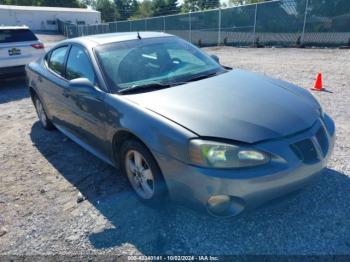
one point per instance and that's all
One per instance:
(278, 22)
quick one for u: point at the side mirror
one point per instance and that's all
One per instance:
(83, 85)
(216, 58)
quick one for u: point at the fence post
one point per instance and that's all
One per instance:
(164, 24)
(219, 32)
(189, 27)
(130, 25)
(255, 17)
(304, 25)
(66, 30)
(146, 24)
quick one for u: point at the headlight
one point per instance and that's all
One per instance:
(222, 155)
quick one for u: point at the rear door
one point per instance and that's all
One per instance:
(52, 84)
(18, 47)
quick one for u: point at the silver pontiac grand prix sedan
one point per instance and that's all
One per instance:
(178, 123)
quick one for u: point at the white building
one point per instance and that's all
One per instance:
(45, 18)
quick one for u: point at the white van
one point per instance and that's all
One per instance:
(18, 47)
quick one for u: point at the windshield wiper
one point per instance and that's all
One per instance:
(202, 76)
(161, 85)
(145, 87)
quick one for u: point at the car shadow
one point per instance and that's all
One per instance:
(12, 89)
(308, 220)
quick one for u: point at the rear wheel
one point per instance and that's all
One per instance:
(142, 171)
(44, 120)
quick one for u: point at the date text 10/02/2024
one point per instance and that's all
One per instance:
(173, 258)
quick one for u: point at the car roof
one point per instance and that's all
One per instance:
(94, 40)
(13, 27)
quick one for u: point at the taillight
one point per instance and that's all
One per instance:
(38, 46)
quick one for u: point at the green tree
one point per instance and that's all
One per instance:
(165, 7)
(144, 10)
(20, 2)
(107, 9)
(198, 5)
(60, 3)
(245, 2)
(209, 4)
(87, 2)
(126, 8)
(189, 6)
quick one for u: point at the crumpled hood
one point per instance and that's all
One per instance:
(237, 105)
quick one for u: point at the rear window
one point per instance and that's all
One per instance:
(18, 35)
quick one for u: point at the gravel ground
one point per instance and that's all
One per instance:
(44, 175)
(49, 38)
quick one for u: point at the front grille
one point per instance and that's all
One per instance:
(305, 150)
(322, 139)
(309, 149)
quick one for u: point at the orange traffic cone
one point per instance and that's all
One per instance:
(318, 83)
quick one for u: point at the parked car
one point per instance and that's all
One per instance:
(177, 122)
(18, 47)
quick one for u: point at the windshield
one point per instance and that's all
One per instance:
(16, 35)
(165, 60)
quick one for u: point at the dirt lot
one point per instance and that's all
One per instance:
(42, 174)
(49, 39)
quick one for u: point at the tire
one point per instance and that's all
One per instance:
(44, 120)
(143, 173)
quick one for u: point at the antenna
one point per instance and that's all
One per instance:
(138, 35)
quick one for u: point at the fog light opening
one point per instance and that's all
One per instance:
(224, 206)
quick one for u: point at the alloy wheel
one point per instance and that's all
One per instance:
(41, 112)
(139, 174)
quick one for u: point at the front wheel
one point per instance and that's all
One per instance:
(45, 122)
(142, 171)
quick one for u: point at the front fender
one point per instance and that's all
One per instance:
(155, 131)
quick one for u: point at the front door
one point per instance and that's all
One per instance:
(87, 110)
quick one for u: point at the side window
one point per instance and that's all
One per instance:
(56, 62)
(79, 65)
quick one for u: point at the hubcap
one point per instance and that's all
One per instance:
(41, 112)
(139, 174)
